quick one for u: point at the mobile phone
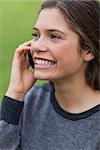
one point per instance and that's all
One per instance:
(31, 60)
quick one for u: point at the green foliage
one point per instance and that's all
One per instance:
(17, 17)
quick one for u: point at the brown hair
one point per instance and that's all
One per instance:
(83, 16)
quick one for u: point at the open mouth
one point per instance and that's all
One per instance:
(43, 63)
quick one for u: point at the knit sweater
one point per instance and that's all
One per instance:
(39, 123)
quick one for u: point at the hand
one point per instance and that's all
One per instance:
(22, 78)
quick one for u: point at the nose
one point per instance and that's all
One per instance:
(39, 46)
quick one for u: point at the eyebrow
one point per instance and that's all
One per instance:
(51, 30)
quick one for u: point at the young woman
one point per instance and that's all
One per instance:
(63, 113)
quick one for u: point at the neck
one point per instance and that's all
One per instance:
(77, 96)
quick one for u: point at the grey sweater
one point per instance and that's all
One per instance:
(39, 123)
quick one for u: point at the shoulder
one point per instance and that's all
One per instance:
(39, 89)
(38, 92)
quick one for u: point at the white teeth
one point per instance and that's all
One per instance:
(43, 62)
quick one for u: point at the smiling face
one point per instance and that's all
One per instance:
(55, 48)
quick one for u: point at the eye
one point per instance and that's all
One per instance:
(35, 36)
(55, 37)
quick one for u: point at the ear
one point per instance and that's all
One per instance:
(87, 56)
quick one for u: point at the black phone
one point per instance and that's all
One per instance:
(31, 60)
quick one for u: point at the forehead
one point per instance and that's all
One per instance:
(51, 18)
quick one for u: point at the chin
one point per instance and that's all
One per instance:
(41, 76)
(44, 75)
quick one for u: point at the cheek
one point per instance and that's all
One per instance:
(66, 52)
(68, 56)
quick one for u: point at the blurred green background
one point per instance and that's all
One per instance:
(17, 17)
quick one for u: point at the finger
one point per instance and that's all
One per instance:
(22, 51)
(28, 43)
